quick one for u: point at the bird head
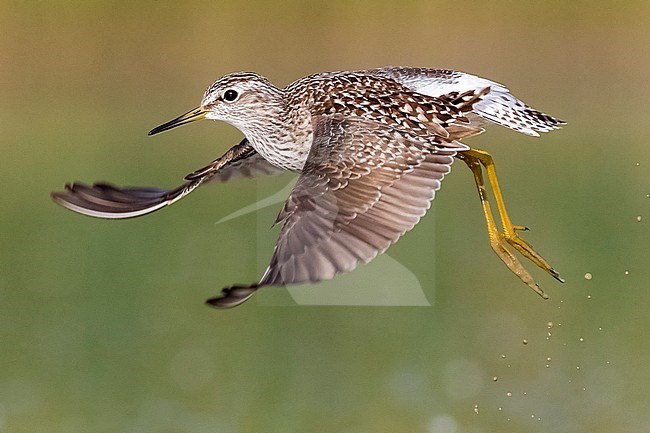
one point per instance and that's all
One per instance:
(239, 99)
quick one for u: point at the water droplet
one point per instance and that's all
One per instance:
(588, 276)
(494, 379)
(577, 367)
(588, 296)
(532, 415)
(638, 164)
(581, 339)
(508, 394)
(525, 341)
(525, 393)
(503, 356)
(500, 408)
(549, 325)
(627, 272)
(476, 409)
(548, 365)
(600, 328)
(639, 218)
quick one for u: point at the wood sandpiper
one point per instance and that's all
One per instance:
(371, 147)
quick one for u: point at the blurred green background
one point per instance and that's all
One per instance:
(103, 324)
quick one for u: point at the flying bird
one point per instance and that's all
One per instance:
(371, 148)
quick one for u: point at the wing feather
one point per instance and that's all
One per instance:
(342, 212)
(104, 200)
(498, 106)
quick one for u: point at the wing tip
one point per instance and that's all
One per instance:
(232, 296)
(96, 201)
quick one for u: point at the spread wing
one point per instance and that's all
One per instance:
(104, 200)
(499, 106)
(364, 185)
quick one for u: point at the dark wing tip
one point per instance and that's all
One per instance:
(232, 296)
(105, 200)
(57, 196)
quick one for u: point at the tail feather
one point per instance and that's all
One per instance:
(503, 108)
(498, 106)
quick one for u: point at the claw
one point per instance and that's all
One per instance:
(557, 276)
(527, 250)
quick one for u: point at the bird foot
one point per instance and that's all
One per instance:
(498, 244)
(527, 250)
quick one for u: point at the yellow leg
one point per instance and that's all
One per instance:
(475, 160)
(510, 230)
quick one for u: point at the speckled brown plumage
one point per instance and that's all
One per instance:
(371, 147)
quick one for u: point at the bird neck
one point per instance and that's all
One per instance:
(283, 133)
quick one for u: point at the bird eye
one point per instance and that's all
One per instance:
(230, 95)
